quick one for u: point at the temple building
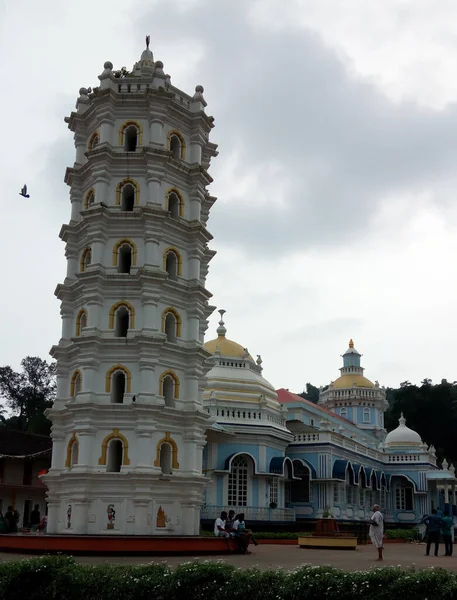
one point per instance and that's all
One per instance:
(279, 457)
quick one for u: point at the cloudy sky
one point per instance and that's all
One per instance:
(336, 180)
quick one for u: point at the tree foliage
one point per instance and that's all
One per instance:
(311, 394)
(27, 395)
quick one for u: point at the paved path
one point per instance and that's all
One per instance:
(290, 557)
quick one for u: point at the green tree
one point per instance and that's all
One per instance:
(311, 394)
(28, 394)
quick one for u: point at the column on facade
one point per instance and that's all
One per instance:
(156, 132)
(195, 152)
(101, 191)
(80, 144)
(53, 515)
(195, 202)
(191, 394)
(62, 384)
(149, 306)
(151, 253)
(58, 450)
(446, 493)
(106, 131)
(453, 494)
(85, 445)
(194, 265)
(79, 517)
(67, 322)
(98, 247)
(72, 263)
(149, 386)
(94, 317)
(193, 326)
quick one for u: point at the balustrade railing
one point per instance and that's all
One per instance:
(251, 513)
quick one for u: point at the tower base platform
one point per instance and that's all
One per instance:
(43, 543)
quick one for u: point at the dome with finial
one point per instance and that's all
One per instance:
(352, 371)
(147, 57)
(225, 347)
(236, 376)
(402, 436)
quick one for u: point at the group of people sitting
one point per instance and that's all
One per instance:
(233, 526)
(10, 520)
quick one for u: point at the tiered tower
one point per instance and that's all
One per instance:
(128, 426)
(355, 397)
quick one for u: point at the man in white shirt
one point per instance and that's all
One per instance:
(219, 525)
(377, 530)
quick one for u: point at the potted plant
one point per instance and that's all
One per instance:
(273, 505)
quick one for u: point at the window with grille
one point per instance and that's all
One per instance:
(238, 482)
(351, 494)
(404, 497)
(338, 493)
(274, 491)
(361, 497)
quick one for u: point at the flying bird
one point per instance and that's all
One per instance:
(23, 192)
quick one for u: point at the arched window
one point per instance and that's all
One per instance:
(169, 387)
(118, 387)
(81, 321)
(115, 455)
(351, 489)
(166, 458)
(122, 322)
(167, 454)
(176, 145)
(300, 489)
(94, 140)
(127, 194)
(90, 199)
(404, 494)
(116, 435)
(131, 136)
(171, 324)
(344, 413)
(124, 255)
(175, 203)
(118, 382)
(86, 259)
(76, 383)
(366, 415)
(74, 453)
(121, 318)
(240, 472)
(128, 198)
(172, 263)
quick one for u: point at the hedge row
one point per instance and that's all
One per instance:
(59, 578)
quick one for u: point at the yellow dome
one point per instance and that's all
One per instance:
(347, 381)
(226, 347)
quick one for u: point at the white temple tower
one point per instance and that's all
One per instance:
(128, 425)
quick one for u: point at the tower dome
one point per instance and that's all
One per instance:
(236, 375)
(402, 436)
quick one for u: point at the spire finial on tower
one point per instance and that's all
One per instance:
(351, 343)
(148, 39)
(221, 330)
(402, 419)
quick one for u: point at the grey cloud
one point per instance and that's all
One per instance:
(284, 98)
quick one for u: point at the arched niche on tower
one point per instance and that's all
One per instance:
(124, 255)
(171, 324)
(118, 382)
(94, 140)
(172, 262)
(130, 135)
(174, 203)
(121, 318)
(89, 199)
(169, 385)
(86, 259)
(176, 144)
(170, 442)
(81, 321)
(75, 383)
(127, 194)
(72, 451)
(115, 435)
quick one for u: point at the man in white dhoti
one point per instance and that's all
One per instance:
(377, 530)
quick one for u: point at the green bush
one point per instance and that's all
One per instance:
(60, 578)
(408, 535)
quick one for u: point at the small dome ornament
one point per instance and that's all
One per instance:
(351, 343)
(402, 436)
(147, 54)
(221, 330)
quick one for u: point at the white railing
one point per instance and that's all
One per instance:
(227, 415)
(251, 513)
(306, 437)
(404, 458)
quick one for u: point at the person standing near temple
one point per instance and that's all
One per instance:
(377, 530)
(446, 532)
(434, 523)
